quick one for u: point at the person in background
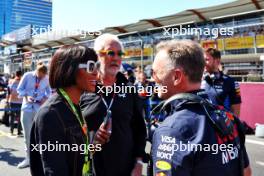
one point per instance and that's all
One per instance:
(12, 76)
(144, 92)
(221, 88)
(3, 82)
(3, 86)
(14, 103)
(35, 89)
(130, 76)
(137, 70)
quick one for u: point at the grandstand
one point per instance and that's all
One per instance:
(236, 29)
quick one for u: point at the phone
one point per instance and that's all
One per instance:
(108, 116)
(108, 121)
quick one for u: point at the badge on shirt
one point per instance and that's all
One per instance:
(161, 174)
(163, 165)
(86, 169)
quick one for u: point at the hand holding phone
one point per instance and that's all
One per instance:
(108, 121)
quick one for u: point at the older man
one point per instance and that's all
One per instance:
(186, 143)
(122, 155)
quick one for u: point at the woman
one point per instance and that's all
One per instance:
(14, 103)
(59, 141)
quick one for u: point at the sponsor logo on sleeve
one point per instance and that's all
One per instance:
(163, 165)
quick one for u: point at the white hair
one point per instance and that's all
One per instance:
(100, 41)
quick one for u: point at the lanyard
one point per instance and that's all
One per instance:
(37, 82)
(108, 107)
(108, 111)
(86, 165)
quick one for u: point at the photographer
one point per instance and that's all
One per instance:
(35, 89)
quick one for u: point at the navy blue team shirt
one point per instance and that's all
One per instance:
(221, 89)
(183, 128)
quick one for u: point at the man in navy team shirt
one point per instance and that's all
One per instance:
(221, 88)
(179, 66)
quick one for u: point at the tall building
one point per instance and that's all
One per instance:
(15, 14)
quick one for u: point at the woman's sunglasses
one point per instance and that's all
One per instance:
(90, 66)
(112, 53)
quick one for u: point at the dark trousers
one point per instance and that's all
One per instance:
(15, 116)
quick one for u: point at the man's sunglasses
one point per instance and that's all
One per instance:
(112, 53)
(90, 66)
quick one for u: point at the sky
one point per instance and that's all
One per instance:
(92, 15)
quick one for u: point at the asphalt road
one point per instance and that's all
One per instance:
(12, 152)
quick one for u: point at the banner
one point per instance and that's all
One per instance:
(260, 41)
(208, 44)
(239, 43)
(218, 44)
(18, 35)
(136, 52)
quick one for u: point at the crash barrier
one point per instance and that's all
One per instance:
(10, 109)
(259, 130)
(5, 110)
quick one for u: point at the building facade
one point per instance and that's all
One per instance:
(15, 14)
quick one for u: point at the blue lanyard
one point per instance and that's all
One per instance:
(37, 82)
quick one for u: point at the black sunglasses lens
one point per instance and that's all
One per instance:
(120, 53)
(111, 53)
